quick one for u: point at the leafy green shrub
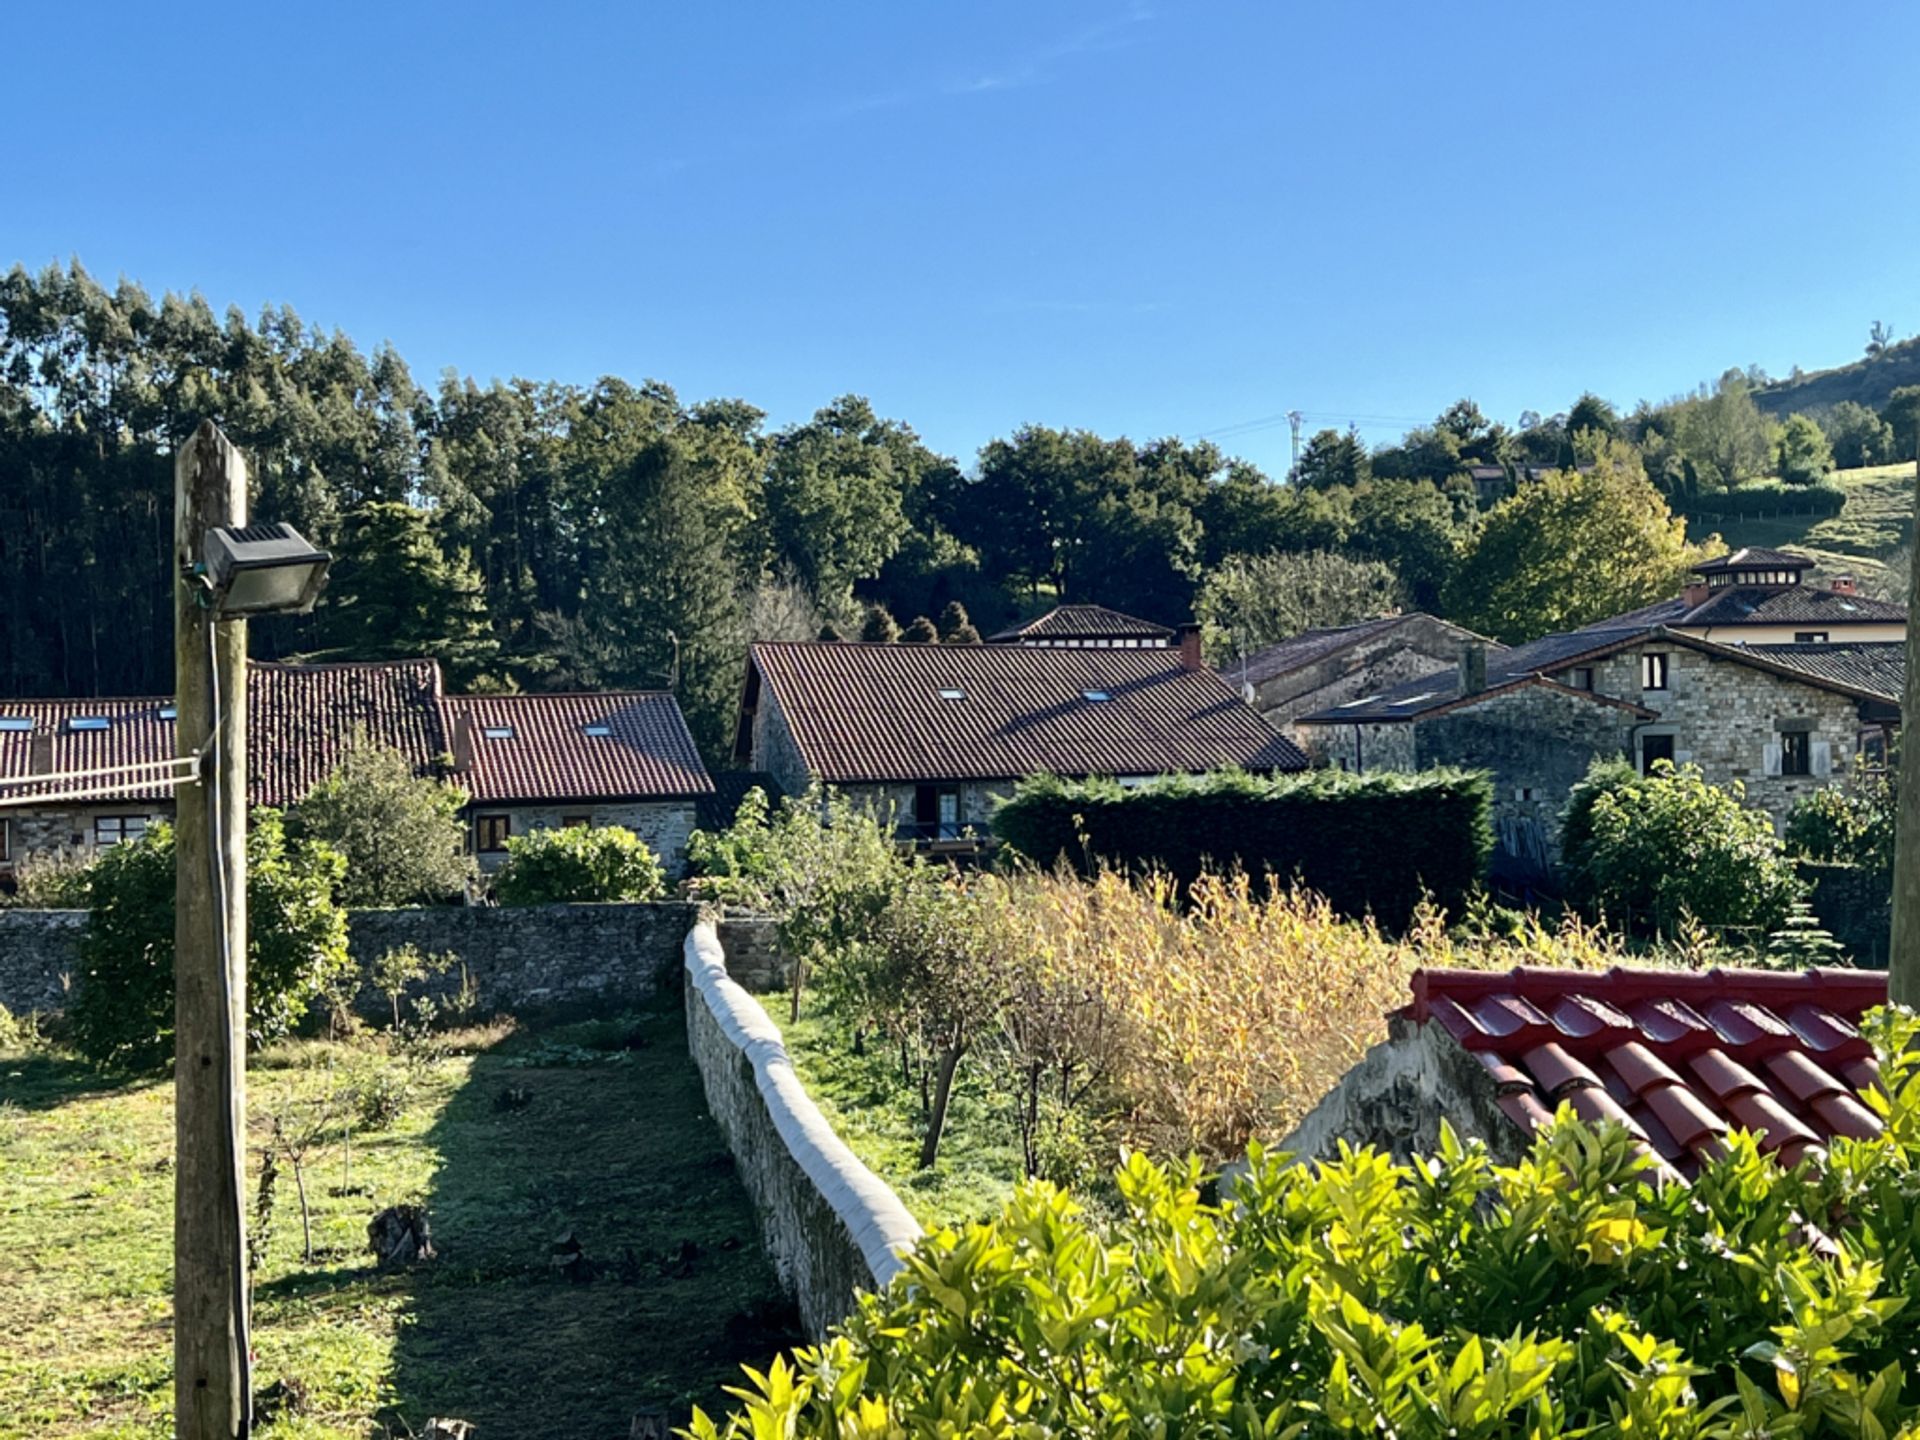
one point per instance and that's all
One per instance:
(401, 834)
(1374, 844)
(605, 863)
(823, 866)
(1844, 825)
(296, 945)
(57, 881)
(1570, 1295)
(1654, 851)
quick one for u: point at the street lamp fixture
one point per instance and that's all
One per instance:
(261, 570)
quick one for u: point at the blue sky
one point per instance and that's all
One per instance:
(1136, 216)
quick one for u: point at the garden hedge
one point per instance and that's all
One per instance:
(1769, 498)
(1369, 843)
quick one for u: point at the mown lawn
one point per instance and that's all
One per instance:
(1876, 521)
(612, 1144)
(862, 1094)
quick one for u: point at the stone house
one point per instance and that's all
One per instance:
(1084, 627)
(601, 759)
(541, 762)
(1780, 721)
(934, 734)
(1325, 668)
(1678, 1058)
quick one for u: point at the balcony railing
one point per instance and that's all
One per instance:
(944, 835)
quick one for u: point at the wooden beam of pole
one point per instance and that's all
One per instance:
(1903, 953)
(210, 969)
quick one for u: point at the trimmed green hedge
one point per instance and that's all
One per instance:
(1369, 843)
(1767, 498)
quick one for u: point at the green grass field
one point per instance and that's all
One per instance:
(862, 1096)
(614, 1145)
(1877, 520)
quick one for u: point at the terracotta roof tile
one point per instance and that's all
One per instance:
(1680, 1058)
(1082, 622)
(863, 713)
(301, 719)
(551, 747)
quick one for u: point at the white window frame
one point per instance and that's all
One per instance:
(1656, 671)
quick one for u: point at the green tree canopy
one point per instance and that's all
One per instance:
(1256, 600)
(1858, 436)
(1801, 455)
(394, 595)
(399, 833)
(1333, 457)
(1722, 435)
(1573, 548)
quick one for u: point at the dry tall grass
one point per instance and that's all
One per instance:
(1237, 1011)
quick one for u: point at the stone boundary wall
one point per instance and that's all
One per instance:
(518, 958)
(831, 1225)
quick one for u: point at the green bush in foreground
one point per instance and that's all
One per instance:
(551, 867)
(1662, 851)
(296, 945)
(1571, 1295)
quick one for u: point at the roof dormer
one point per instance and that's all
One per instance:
(1755, 568)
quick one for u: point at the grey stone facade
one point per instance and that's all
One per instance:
(521, 959)
(1396, 1096)
(32, 832)
(1418, 645)
(663, 824)
(831, 1226)
(1537, 740)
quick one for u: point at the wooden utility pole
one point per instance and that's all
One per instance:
(1903, 955)
(211, 1373)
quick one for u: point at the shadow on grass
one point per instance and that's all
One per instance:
(46, 1080)
(613, 1148)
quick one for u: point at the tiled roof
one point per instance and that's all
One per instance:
(300, 721)
(1679, 1058)
(876, 712)
(1756, 557)
(1082, 622)
(1763, 605)
(1523, 664)
(1310, 646)
(1879, 666)
(1862, 670)
(549, 754)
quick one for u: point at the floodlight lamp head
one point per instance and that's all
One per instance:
(262, 570)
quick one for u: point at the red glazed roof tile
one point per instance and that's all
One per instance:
(1679, 1058)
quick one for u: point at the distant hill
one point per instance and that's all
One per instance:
(1877, 521)
(1866, 382)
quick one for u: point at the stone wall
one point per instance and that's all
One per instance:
(831, 1225)
(774, 750)
(39, 955)
(1418, 646)
(1398, 1094)
(663, 824)
(29, 832)
(1537, 742)
(523, 959)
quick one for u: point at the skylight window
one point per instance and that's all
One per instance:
(596, 729)
(1414, 699)
(1095, 695)
(498, 732)
(953, 694)
(89, 722)
(1356, 704)
(16, 724)
(169, 712)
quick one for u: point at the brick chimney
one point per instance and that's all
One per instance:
(1190, 648)
(1695, 593)
(1844, 585)
(1473, 668)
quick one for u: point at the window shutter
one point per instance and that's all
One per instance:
(1773, 757)
(1821, 757)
